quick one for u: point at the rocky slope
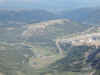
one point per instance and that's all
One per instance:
(82, 55)
(52, 29)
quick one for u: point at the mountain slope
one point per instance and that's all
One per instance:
(82, 55)
(37, 41)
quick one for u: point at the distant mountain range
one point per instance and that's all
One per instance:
(84, 15)
(28, 16)
(22, 16)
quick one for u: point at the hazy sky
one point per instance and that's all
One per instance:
(47, 3)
